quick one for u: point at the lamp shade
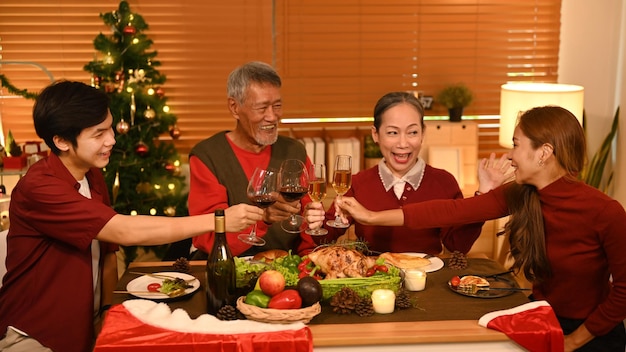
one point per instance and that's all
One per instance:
(519, 97)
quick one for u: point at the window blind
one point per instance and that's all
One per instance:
(336, 58)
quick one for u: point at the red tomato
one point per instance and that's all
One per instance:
(382, 268)
(288, 299)
(154, 287)
(455, 281)
(371, 271)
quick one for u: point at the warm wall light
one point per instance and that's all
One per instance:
(519, 97)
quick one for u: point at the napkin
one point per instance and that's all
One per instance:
(144, 325)
(533, 325)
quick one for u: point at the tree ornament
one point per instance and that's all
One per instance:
(170, 167)
(95, 81)
(143, 187)
(175, 132)
(160, 92)
(119, 75)
(122, 127)
(129, 30)
(133, 109)
(141, 149)
(108, 59)
(149, 114)
(170, 211)
(110, 87)
(116, 186)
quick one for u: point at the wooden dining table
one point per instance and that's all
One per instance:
(441, 319)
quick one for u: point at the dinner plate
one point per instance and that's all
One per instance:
(435, 262)
(493, 282)
(138, 287)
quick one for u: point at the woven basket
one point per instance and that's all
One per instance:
(278, 316)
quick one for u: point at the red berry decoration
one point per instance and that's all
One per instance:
(170, 167)
(129, 30)
(141, 149)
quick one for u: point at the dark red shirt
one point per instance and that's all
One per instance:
(585, 239)
(368, 189)
(47, 291)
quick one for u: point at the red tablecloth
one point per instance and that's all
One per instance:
(122, 332)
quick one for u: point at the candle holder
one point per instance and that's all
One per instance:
(384, 301)
(415, 279)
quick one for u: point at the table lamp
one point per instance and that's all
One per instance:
(519, 97)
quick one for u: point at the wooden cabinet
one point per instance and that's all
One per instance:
(453, 146)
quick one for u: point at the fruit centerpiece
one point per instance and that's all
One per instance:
(289, 282)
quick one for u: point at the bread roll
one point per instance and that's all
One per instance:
(269, 255)
(405, 261)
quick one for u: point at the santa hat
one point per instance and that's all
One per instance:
(532, 325)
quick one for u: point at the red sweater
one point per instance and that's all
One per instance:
(368, 189)
(206, 194)
(47, 291)
(585, 240)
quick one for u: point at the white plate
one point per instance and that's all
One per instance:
(140, 285)
(435, 262)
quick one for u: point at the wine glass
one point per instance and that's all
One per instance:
(293, 184)
(317, 192)
(342, 180)
(262, 193)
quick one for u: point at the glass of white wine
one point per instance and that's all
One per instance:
(317, 192)
(342, 180)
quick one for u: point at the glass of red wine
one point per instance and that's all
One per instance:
(293, 184)
(262, 193)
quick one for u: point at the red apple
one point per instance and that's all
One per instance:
(271, 282)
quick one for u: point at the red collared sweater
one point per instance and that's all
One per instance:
(585, 240)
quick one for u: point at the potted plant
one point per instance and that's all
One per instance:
(455, 97)
(371, 152)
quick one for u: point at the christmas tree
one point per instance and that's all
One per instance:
(143, 174)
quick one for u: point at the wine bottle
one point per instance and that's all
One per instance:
(220, 269)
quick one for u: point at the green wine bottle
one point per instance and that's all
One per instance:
(220, 269)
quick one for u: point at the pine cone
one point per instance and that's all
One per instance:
(364, 308)
(228, 312)
(182, 265)
(403, 300)
(458, 261)
(344, 301)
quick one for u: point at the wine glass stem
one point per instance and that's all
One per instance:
(337, 217)
(253, 232)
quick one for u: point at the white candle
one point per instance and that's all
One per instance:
(415, 279)
(383, 301)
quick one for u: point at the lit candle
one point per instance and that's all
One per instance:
(383, 301)
(415, 279)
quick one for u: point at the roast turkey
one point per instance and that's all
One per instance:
(338, 261)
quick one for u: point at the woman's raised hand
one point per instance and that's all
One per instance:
(493, 172)
(241, 216)
(348, 206)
